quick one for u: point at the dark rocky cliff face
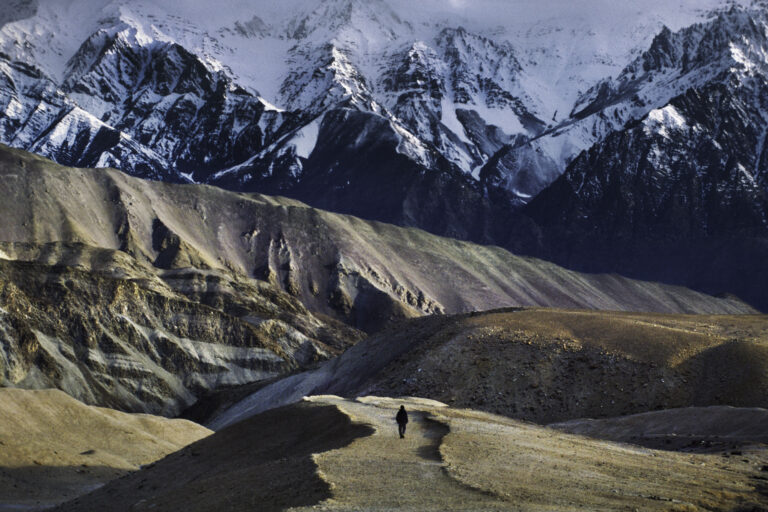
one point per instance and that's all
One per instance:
(679, 196)
(678, 192)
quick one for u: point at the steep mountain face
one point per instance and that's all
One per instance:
(725, 49)
(422, 115)
(681, 194)
(144, 296)
(173, 96)
(152, 109)
(166, 99)
(38, 116)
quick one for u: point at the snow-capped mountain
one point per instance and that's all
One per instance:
(679, 193)
(445, 115)
(148, 75)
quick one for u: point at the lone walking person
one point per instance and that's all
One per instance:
(402, 421)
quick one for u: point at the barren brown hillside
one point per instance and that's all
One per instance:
(144, 296)
(364, 273)
(547, 365)
(53, 448)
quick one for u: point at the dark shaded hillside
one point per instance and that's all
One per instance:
(266, 463)
(680, 194)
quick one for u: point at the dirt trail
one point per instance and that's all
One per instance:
(384, 472)
(329, 453)
(466, 460)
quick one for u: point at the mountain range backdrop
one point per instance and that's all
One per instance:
(212, 209)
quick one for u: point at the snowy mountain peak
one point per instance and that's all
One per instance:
(357, 23)
(247, 90)
(734, 40)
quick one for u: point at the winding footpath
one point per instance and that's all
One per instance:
(384, 472)
(455, 459)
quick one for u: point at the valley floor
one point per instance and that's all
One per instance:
(450, 459)
(456, 459)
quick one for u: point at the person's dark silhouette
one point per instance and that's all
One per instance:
(402, 421)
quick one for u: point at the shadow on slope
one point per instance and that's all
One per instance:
(53, 448)
(265, 463)
(332, 453)
(35, 488)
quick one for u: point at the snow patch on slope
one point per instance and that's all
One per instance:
(450, 120)
(306, 139)
(502, 118)
(409, 145)
(663, 120)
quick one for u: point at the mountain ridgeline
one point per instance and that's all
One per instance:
(145, 295)
(681, 194)
(285, 220)
(451, 125)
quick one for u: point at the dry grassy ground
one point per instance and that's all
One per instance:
(547, 365)
(343, 455)
(535, 468)
(553, 365)
(693, 429)
(53, 448)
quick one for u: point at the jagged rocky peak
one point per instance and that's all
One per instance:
(417, 68)
(109, 43)
(733, 34)
(355, 23)
(727, 47)
(163, 96)
(241, 94)
(734, 40)
(323, 77)
(120, 62)
(478, 65)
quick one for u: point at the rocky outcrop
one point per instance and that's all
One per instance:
(144, 295)
(111, 331)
